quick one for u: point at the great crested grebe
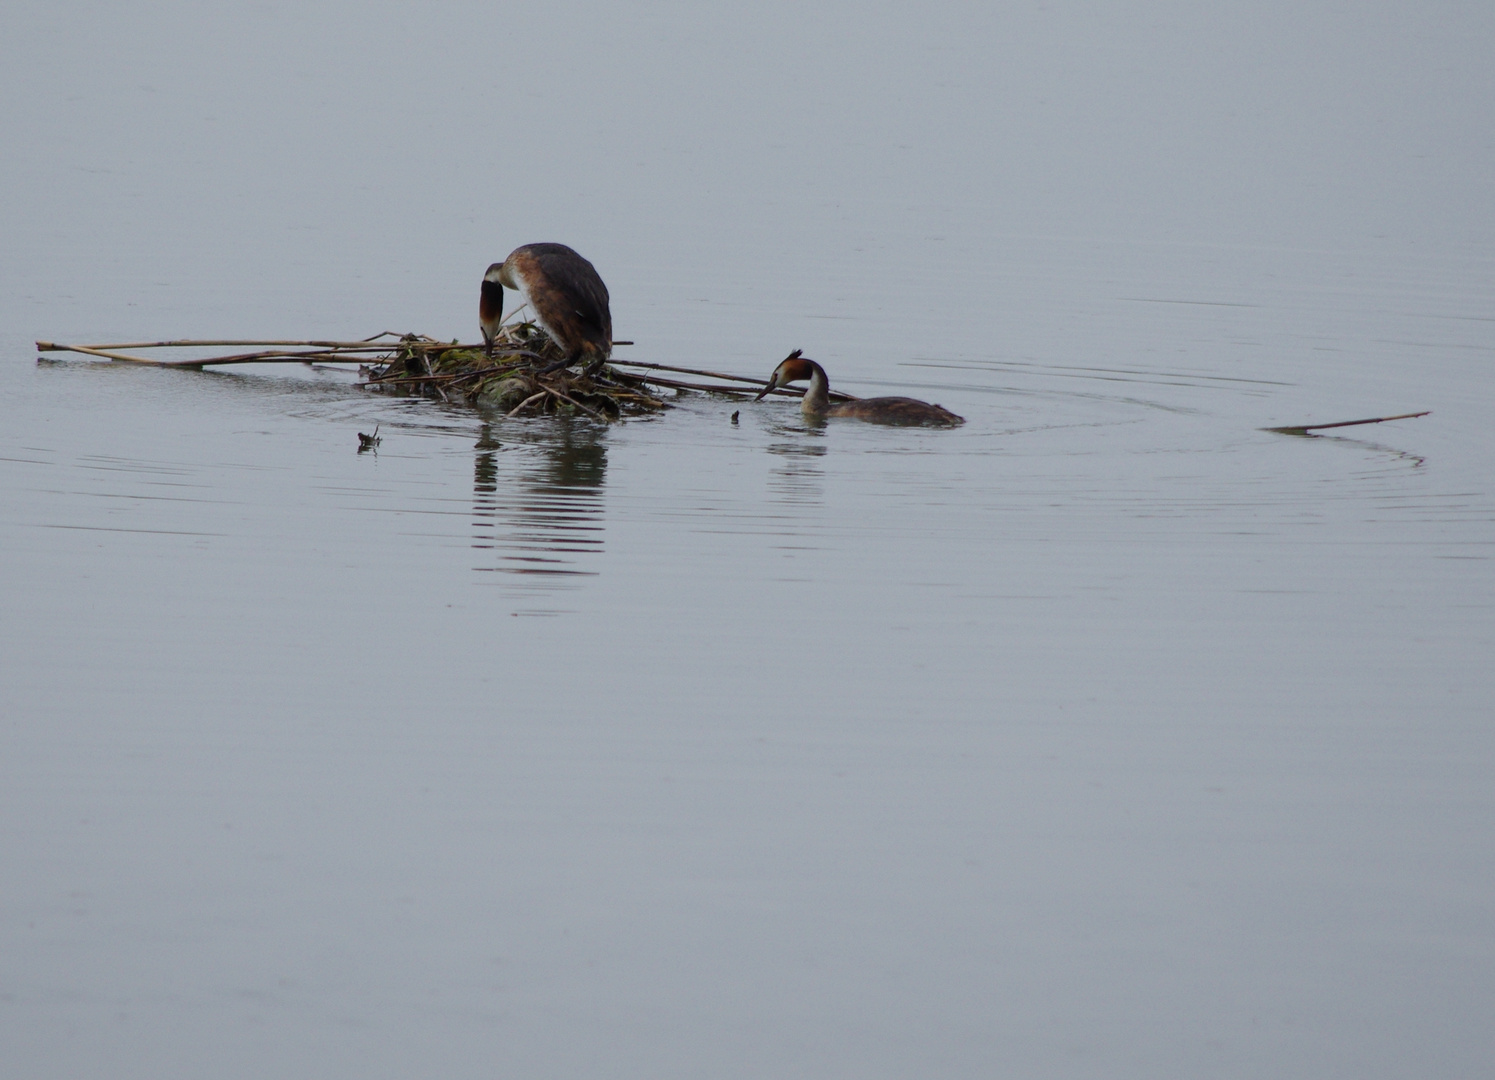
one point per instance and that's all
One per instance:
(568, 297)
(879, 410)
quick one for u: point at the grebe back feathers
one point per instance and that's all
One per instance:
(567, 294)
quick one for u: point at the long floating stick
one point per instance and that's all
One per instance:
(322, 350)
(686, 371)
(47, 346)
(309, 351)
(791, 391)
(1304, 429)
(277, 357)
(677, 384)
(366, 345)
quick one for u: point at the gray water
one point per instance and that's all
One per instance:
(1108, 735)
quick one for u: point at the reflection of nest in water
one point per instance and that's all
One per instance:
(509, 379)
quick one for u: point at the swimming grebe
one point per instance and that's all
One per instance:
(879, 410)
(569, 299)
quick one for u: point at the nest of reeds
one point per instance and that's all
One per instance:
(509, 379)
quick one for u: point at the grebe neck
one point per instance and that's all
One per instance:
(817, 398)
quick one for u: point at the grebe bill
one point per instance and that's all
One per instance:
(817, 404)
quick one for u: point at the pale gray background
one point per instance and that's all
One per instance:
(1107, 736)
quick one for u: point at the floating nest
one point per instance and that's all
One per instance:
(509, 379)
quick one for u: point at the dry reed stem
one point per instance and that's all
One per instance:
(837, 395)
(367, 345)
(517, 409)
(634, 392)
(1304, 429)
(688, 371)
(677, 384)
(584, 408)
(90, 350)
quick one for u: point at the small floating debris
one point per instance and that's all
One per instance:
(369, 442)
(1304, 429)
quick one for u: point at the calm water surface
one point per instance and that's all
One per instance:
(1107, 735)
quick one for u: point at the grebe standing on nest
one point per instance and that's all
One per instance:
(568, 297)
(817, 404)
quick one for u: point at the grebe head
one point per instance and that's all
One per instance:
(792, 367)
(491, 305)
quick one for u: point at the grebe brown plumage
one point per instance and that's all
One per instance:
(817, 404)
(568, 297)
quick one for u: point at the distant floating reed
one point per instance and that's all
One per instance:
(1304, 429)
